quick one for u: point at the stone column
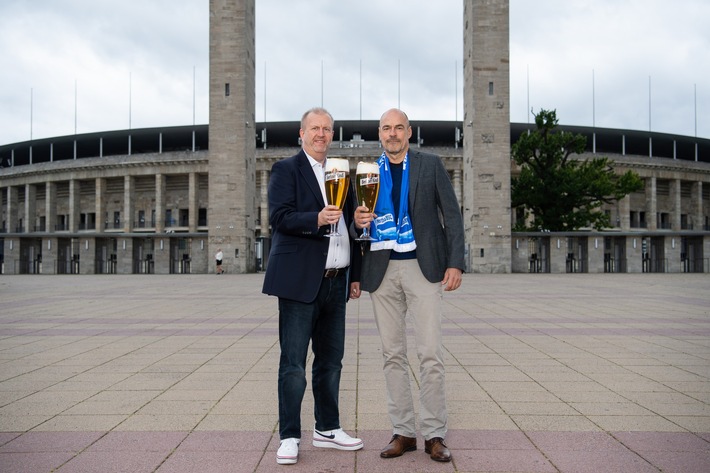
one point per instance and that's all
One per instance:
(192, 202)
(100, 203)
(232, 153)
(87, 256)
(50, 202)
(159, 203)
(558, 254)
(456, 182)
(124, 256)
(50, 249)
(634, 254)
(625, 213)
(677, 204)
(696, 204)
(595, 254)
(128, 184)
(672, 246)
(651, 217)
(30, 208)
(486, 149)
(12, 202)
(265, 229)
(74, 205)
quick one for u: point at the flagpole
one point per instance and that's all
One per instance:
(129, 100)
(528, 111)
(360, 89)
(193, 95)
(456, 91)
(321, 83)
(594, 117)
(398, 85)
(31, 110)
(75, 109)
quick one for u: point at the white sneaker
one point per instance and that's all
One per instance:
(336, 439)
(288, 451)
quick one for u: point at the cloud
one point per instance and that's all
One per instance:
(136, 63)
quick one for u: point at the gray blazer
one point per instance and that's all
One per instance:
(436, 221)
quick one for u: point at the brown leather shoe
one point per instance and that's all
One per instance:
(437, 449)
(398, 446)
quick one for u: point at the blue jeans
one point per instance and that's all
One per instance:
(323, 322)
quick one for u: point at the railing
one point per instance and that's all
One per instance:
(28, 267)
(537, 265)
(695, 265)
(612, 265)
(180, 266)
(144, 266)
(573, 265)
(105, 266)
(68, 267)
(115, 225)
(654, 265)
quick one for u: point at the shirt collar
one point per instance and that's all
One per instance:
(313, 162)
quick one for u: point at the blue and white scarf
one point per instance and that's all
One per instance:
(388, 234)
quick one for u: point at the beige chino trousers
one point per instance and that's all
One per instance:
(403, 291)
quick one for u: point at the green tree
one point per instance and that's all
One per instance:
(561, 191)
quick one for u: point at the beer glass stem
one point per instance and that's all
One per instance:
(333, 231)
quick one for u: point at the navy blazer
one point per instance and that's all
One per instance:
(436, 221)
(299, 248)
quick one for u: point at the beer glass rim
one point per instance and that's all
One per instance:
(370, 168)
(337, 163)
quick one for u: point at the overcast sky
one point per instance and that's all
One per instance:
(94, 65)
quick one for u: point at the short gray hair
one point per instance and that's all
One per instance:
(316, 111)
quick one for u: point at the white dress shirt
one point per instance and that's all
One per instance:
(339, 249)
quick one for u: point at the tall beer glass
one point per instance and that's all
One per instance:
(367, 186)
(337, 182)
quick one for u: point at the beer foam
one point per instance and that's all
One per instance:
(367, 168)
(337, 163)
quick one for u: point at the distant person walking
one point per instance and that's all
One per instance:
(218, 260)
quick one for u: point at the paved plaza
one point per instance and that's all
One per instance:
(546, 373)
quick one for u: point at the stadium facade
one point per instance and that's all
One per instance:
(162, 200)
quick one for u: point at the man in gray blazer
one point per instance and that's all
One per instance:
(417, 252)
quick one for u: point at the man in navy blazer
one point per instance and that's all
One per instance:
(313, 275)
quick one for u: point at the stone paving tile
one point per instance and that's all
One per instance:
(545, 373)
(234, 461)
(50, 442)
(33, 462)
(114, 462)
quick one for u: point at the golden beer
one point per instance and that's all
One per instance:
(337, 181)
(367, 184)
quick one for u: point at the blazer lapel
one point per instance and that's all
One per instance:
(304, 167)
(414, 169)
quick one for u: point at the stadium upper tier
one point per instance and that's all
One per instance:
(348, 133)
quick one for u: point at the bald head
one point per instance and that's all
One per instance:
(395, 132)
